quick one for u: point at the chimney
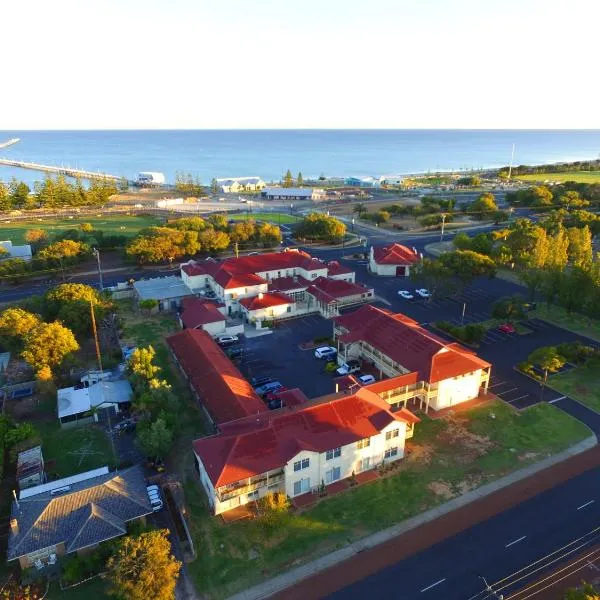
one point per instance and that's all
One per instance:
(14, 527)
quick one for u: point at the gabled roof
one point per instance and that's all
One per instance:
(404, 341)
(336, 268)
(161, 288)
(197, 312)
(269, 441)
(221, 387)
(86, 513)
(394, 254)
(329, 290)
(288, 284)
(266, 301)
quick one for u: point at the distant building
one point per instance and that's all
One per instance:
(393, 260)
(150, 179)
(30, 468)
(391, 180)
(235, 185)
(75, 514)
(281, 193)
(23, 252)
(368, 182)
(167, 291)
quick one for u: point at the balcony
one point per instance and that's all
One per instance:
(249, 485)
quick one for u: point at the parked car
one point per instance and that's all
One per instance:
(261, 380)
(274, 395)
(268, 387)
(424, 293)
(227, 340)
(325, 352)
(405, 294)
(352, 366)
(126, 425)
(506, 328)
(366, 379)
(235, 353)
(155, 497)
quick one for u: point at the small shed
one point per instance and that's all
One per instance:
(30, 468)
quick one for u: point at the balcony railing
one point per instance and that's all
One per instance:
(234, 490)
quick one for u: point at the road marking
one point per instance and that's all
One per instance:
(519, 398)
(507, 391)
(497, 384)
(586, 504)
(515, 541)
(556, 400)
(433, 585)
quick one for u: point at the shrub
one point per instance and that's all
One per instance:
(330, 367)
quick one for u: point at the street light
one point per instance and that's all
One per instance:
(443, 223)
(96, 253)
(490, 590)
(352, 224)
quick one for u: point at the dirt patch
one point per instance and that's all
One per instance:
(441, 488)
(582, 389)
(470, 445)
(419, 453)
(468, 484)
(528, 456)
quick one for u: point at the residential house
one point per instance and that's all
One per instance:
(167, 291)
(363, 182)
(266, 307)
(300, 449)
(282, 193)
(23, 252)
(222, 391)
(75, 514)
(30, 468)
(203, 314)
(235, 185)
(442, 374)
(393, 260)
(81, 404)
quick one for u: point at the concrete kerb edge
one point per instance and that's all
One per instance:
(285, 580)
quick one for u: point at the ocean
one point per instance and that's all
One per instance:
(269, 153)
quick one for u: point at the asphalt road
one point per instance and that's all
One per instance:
(497, 549)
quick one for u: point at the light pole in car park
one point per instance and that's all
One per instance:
(96, 253)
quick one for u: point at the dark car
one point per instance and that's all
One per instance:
(235, 353)
(261, 380)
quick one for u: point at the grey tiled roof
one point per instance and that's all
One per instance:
(91, 511)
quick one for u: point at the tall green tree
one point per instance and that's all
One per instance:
(19, 194)
(580, 250)
(300, 180)
(47, 345)
(558, 252)
(548, 359)
(467, 265)
(288, 180)
(214, 186)
(6, 201)
(154, 438)
(485, 203)
(15, 324)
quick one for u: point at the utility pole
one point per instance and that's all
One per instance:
(237, 253)
(443, 224)
(490, 590)
(512, 158)
(96, 253)
(462, 318)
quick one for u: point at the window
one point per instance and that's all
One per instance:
(253, 495)
(302, 464)
(333, 475)
(364, 464)
(301, 486)
(363, 443)
(289, 309)
(391, 452)
(333, 453)
(392, 434)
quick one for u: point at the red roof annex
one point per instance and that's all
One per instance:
(198, 312)
(329, 290)
(221, 387)
(277, 437)
(394, 254)
(265, 301)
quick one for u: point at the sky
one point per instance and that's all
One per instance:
(162, 64)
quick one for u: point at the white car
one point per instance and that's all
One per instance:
(154, 497)
(366, 379)
(424, 293)
(325, 352)
(352, 366)
(227, 339)
(405, 294)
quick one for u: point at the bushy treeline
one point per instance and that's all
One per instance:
(572, 167)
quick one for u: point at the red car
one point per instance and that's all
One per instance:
(506, 328)
(274, 395)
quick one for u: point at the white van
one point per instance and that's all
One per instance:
(155, 497)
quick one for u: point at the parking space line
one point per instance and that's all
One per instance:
(497, 384)
(519, 398)
(507, 391)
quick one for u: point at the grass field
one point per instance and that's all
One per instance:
(276, 218)
(582, 384)
(115, 225)
(448, 457)
(572, 321)
(578, 176)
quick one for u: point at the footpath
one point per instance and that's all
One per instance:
(369, 555)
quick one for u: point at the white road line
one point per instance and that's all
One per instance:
(497, 384)
(519, 398)
(586, 504)
(433, 585)
(507, 391)
(556, 400)
(515, 541)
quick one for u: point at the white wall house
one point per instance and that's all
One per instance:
(393, 260)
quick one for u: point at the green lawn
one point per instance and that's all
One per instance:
(572, 321)
(96, 588)
(578, 176)
(582, 383)
(448, 458)
(116, 225)
(277, 218)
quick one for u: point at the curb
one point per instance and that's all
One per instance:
(290, 578)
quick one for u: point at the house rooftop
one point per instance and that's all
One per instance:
(267, 300)
(282, 191)
(160, 288)
(395, 254)
(330, 290)
(74, 401)
(197, 312)
(336, 268)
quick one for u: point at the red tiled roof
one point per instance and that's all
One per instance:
(278, 436)
(330, 290)
(404, 341)
(220, 386)
(385, 385)
(394, 254)
(194, 269)
(198, 312)
(335, 268)
(293, 397)
(266, 301)
(288, 284)
(230, 281)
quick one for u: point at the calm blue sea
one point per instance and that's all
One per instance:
(269, 153)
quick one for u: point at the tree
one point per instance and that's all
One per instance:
(317, 226)
(157, 244)
(48, 344)
(469, 181)
(6, 202)
(300, 180)
(360, 209)
(219, 222)
(143, 567)
(64, 249)
(3, 252)
(540, 196)
(148, 305)
(580, 249)
(19, 194)
(558, 251)
(141, 363)
(533, 279)
(36, 237)
(269, 234)
(288, 180)
(214, 241)
(214, 186)
(381, 216)
(434, 275)
(15, 324)
(548, 359)
(435, 220)
(572, 199)
(86, 227)
(586, 592)
(188, 224)
(242, 231)
(467, 265)
(511, 309)
(486, 203)
(540, 251)
(154, 438)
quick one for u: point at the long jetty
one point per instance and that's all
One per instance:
(77, 173)
(9, 142)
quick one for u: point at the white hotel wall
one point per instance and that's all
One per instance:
(456, 390)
